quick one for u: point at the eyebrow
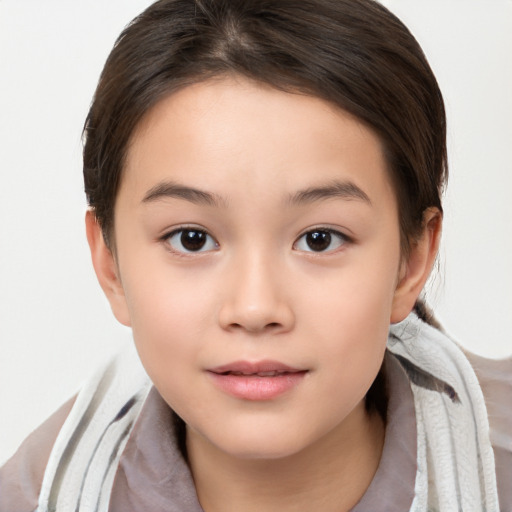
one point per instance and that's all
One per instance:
(170, 189)
(341, 189)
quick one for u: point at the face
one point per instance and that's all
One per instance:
(258, 253)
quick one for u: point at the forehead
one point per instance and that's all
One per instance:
(231, 131)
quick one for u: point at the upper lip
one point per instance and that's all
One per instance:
(252, 368)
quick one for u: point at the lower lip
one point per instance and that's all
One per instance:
(252, 387)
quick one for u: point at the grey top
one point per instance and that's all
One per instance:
(153, 475)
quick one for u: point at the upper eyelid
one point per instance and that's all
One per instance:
(172, 231)
(331, 230)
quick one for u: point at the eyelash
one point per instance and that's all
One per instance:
(208, 239)
(342, 239)
(190, 229)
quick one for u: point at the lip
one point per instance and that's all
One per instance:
(262, 380)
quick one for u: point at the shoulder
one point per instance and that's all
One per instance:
(22, 475)
(495, 377)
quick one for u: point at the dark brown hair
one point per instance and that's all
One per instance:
(352, 53)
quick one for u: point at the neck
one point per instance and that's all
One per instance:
(332, 475)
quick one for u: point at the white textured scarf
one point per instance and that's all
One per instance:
(455, 459)
(83, 462)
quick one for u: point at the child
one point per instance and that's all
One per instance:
(264, 181)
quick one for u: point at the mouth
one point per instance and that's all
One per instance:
(264, 380)
(259, 374)
(262, 368)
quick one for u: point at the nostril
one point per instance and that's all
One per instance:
(267, 318)
(272, 326)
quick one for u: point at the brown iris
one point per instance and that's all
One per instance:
(193, 240)
(318, 240)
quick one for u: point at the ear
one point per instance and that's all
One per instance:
(415, 270)
(106, 269)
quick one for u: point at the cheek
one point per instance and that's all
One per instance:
(169, 318)
(354, 350)
(351, 315)
(356, 297)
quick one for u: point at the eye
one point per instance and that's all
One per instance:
(191, 240)
(320, 240)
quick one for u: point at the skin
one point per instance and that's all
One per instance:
(256, 290)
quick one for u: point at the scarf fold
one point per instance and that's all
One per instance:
(455, 462)
(455, 459)
(84, 459)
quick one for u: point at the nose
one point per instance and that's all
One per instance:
(255, 298)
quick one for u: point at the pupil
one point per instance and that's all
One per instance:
(193, 240)
(318, 240)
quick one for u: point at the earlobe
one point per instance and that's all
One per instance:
(106, 269)
(416, 269)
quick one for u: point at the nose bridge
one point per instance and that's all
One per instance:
(256, 298)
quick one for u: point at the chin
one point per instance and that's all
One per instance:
(262, 451)
(258, 443)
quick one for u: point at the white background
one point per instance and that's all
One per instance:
(55, 325)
